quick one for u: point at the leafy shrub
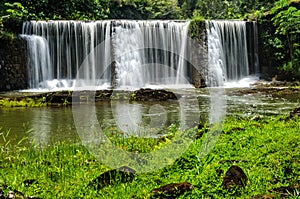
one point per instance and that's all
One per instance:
(287, 22)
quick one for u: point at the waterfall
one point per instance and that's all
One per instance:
(215, 76)
(145, 52)
(71, 44)
(39, 63)
(227, 51)
(150, 52)
(128, 53)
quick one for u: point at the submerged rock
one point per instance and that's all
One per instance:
(235, 176)
(122, 175)
(172, 190)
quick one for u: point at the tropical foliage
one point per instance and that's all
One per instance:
(287, 22)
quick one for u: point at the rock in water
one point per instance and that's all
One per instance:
(122, 175)
(148, 94)
(171, 190)
(235, 176)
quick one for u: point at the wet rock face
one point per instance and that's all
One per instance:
(234, 177)
(13, 61)
(172, 190)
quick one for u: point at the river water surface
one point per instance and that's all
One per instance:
(47, 125)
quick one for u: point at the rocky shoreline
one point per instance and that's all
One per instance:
(68, 97)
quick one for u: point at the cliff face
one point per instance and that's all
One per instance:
(13, 61)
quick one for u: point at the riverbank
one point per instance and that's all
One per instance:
(64, 98)
(265, 148)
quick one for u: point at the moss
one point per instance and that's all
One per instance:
(197, 28)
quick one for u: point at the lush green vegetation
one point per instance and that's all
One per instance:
(131, 9)
(267, 149)
(287, 34)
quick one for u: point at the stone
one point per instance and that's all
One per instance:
(234, 177)
(172, 190)
(13, 67)
(121, 175)
(153, 95)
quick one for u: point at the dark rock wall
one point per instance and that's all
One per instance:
(13, 61)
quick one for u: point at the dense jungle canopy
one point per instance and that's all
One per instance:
(283, 17)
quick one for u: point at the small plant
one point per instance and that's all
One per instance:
(295, 194)
(24, 102)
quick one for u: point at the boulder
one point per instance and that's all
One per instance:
(121, 175)
(234, 177)
(153, 95)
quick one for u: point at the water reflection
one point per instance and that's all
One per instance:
(49, 125)
(43, 126)
(148, 119)
(40, 124)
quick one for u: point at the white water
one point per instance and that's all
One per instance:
(69, 54)
(227, 52)
(39, 63)
(146, 52)
(150, 53)
(75, 52)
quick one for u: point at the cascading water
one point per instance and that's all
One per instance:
(71, 44)
(39, 63)
(227, 52)
(129, 54)
(150, 52)
(126, 53)
(215, 76)
(145, 52)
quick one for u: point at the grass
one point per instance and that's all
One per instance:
(23, 102)
(267, 149)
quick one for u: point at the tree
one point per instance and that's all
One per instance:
(287, 22)
(63, 9)
(187, 7)
(163, 9)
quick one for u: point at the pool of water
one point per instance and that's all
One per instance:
(46, 125)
